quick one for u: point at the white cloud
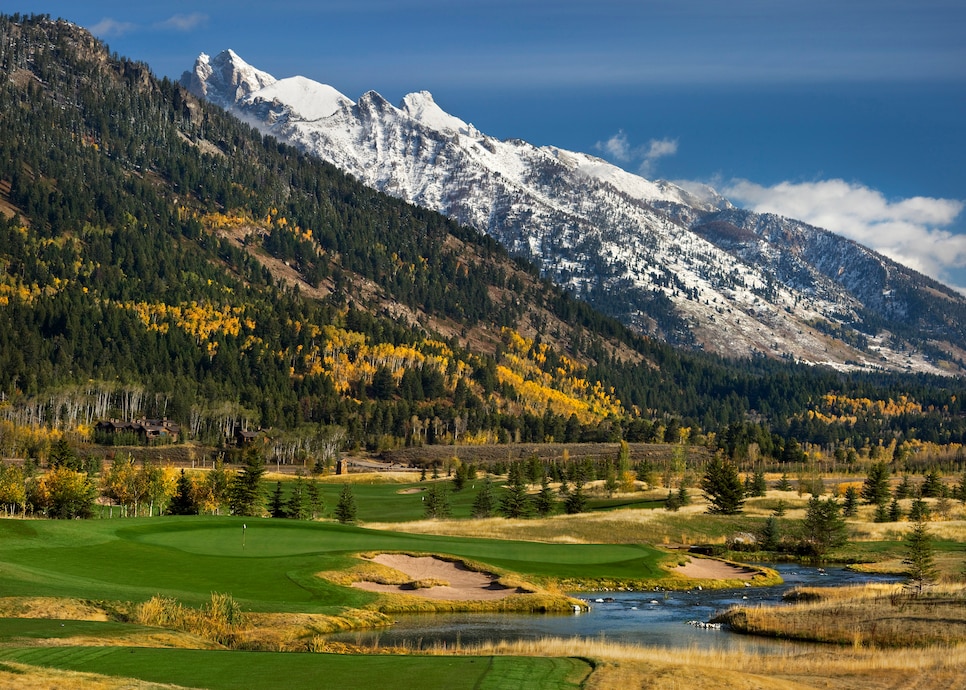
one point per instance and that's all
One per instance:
(913, 231)
(657, 148)
(618, 148)
(108, 27)
(184, 22)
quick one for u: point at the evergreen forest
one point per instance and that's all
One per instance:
(160, 259)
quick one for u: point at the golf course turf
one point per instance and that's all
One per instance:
(266, 565)
(286, 671)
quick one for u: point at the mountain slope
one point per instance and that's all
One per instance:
(683, 265)
(160, 258)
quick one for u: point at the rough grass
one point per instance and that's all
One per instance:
(218, 621)
(861, 616)
(690, 525)
(53, 608)
(629, 666)
(24, 677)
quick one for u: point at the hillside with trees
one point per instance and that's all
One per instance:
(160, 259)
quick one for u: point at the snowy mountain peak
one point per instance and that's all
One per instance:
(421, 107)
(224, 79)
(306, 98)
(675, 261)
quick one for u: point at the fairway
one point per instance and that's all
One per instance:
(265, 564)
(270, 670)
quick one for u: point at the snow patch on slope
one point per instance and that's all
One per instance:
(421, 107)
(306, 98)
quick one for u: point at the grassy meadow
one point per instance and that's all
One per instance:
(205, 601)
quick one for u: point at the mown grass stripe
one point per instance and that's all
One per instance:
(224, 670)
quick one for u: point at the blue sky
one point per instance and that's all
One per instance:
(846, 113)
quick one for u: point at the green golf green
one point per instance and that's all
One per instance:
(265, 564)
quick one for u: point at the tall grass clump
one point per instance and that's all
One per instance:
(217, 621)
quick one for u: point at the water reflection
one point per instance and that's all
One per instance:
(646, 618)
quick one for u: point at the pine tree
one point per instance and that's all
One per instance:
(784, 484)
(823, 527)
(183, 502)
(919, 556)
(296, 508)
(483, 504)
(959, 493)
(850, 507)
(683, 497)
(245, 491)
(276, 506)
(919, 512)
(875, 489)
(437, 502)
(904, 489)
(459, 478)
(576, 502)
(770, 536)
(345, 509)
(63, 455)
(758, 484)
(932, 485)
(316, 504)
(895, 511)
(544, 501)
(564, 489)
(881, 513)
(722, 487)
(515, 502)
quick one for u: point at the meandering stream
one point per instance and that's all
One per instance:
(646, 618)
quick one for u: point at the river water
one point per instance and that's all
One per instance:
(645, 618)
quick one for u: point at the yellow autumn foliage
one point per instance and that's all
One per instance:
(204, 321)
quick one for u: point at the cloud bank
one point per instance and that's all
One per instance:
(915, 231)
(109, 27)
(184, 22)
(618, 148)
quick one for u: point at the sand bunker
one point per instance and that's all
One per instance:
(464, 584)
(418, 490)
(710, 569)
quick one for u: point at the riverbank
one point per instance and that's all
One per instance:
(871, 615)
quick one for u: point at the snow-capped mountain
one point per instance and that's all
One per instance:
(682, 264)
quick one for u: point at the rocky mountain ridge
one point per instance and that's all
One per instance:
(680, 264)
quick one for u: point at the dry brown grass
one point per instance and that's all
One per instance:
(52, 608)
(218, 621)
(862, 616)
(17, 676)
(867, 530)
(368, 478)
(301, 632)
(629, 526)
(627, 666)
